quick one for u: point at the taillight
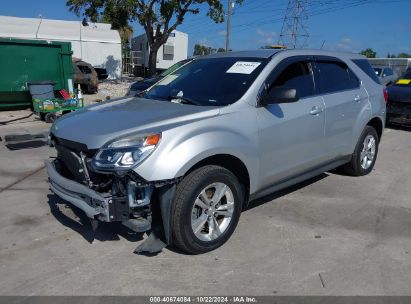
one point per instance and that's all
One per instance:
(385, 95)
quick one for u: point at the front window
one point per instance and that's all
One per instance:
(297, 76)
(209, 81)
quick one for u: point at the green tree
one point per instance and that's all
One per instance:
(221, 50)
(158, 17)
(200, 50)
(369, 53)
(118, 20)
(404, 55)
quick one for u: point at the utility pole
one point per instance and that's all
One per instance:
(294, 32)
(227, 37)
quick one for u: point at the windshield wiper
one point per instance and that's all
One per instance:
(184, 100)
(141, 94)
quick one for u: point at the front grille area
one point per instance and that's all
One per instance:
(72, 163)
(73, 146)
(71, 167)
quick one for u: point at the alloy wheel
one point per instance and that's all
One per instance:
(212, 211)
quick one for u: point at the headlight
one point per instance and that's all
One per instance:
(125, 153)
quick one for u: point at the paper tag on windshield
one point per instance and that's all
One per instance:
(243, 67)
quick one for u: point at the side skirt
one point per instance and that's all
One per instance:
(299, 178)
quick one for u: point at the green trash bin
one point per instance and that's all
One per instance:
(26, 61)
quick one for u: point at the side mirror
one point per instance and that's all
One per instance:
(280, 95)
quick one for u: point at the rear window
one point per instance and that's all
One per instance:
(336, 76)
(364, 65)
(407, 75)
(84, 69)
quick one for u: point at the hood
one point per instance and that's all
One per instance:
(95, 125)
(399, 93)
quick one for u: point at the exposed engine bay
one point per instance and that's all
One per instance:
(140, 205)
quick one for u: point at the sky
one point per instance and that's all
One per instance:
(344, 25)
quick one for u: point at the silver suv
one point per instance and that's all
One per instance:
(182, 160)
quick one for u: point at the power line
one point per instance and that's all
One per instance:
(294, 32)
(312, 13)
(315, 8)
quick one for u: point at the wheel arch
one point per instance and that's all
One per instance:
(231, 163)
(378, 125)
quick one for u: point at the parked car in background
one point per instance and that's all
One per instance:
(399, 100)
(386, 75)
(85, 75)
(139, 86)
(222, 130)
(101, 73)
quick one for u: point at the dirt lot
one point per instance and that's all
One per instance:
(109, 88)
(334, 235)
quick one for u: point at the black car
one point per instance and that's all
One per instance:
(399, 100)
(139, 86)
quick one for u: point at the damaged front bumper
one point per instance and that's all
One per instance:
(132, 209)
(93, 203)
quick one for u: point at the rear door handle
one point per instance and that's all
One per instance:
(357, 98)
(315, 110)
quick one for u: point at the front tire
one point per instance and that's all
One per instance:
(365, 154)
(207, 207)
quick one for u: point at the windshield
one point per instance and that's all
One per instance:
(378, 71)
(174, 67)
(209, 81)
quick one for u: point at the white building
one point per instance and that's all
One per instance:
(96, 43)
(173, 51)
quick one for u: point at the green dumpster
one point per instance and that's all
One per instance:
(25, 61)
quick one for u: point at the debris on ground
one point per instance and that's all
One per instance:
(109, 89)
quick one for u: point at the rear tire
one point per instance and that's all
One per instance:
(365, 153)
(207, 207)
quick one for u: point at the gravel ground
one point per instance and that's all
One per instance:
(109, 88)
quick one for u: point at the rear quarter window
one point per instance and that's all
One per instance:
(387, 72)
(365, 66)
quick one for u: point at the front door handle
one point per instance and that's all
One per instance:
(315, 110)
(357, 98)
